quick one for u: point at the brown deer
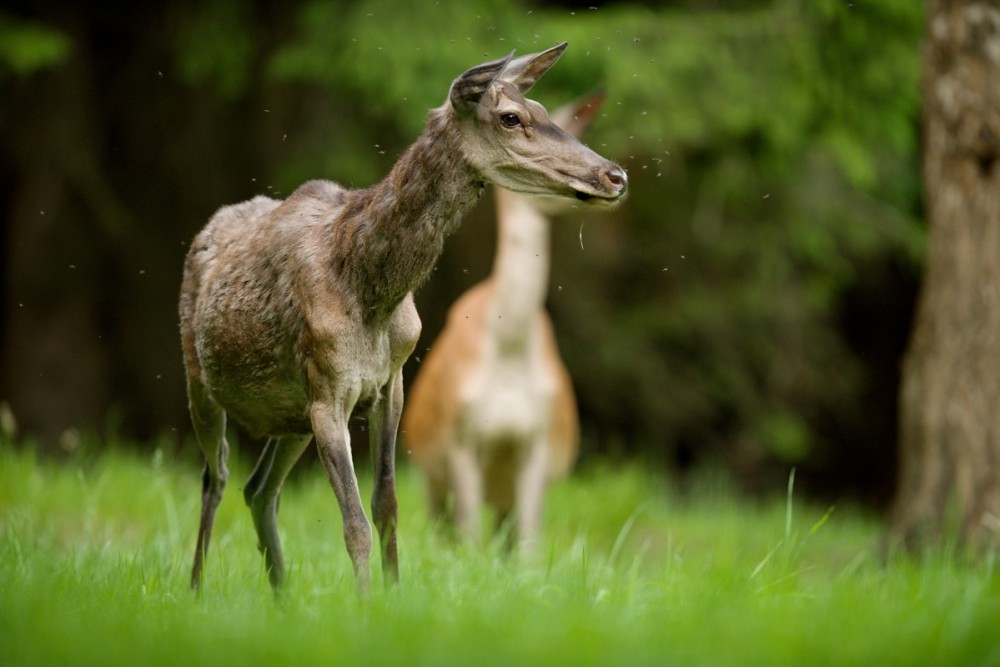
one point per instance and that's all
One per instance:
(296, 314)
(491, 416)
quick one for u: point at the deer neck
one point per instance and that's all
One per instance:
(389, 236)
(520, 270)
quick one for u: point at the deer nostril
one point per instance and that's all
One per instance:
(617, 177)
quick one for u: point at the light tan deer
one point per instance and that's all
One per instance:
(297, 314)
(491, 415)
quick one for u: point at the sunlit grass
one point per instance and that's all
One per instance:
(95, 555)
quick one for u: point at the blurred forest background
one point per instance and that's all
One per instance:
(748, 305)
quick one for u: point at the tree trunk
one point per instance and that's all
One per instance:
(950, 395)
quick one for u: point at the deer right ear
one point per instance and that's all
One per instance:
(468, 89)
(526, 70)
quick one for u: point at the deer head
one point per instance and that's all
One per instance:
(512, 141)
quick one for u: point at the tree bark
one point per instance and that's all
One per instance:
(949, 484)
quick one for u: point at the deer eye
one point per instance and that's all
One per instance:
(510, 119)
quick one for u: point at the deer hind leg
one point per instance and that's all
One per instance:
(384, 424)
(438, 495)
(209, 421)
(263, 493)
(255, 482)
(504, 527)
(500, 474)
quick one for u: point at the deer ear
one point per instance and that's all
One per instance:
(526, 70)
(577, 116)
(468, 89)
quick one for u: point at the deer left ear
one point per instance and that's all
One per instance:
(468, 89)
(526, 70)
(577, 116)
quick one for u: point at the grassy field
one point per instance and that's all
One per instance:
(95, 554)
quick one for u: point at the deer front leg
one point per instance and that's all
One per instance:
(209, 421)
(263, 493)
(467, 485)
(333, 441)
(531, 479)
(383, 427)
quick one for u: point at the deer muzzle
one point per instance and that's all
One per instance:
(609, 186)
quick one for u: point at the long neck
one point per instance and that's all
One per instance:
(389, 236)
(520, 270)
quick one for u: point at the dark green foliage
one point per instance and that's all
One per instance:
(27, 47)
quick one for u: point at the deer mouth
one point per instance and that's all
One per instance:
(598, 200)
(602, 190)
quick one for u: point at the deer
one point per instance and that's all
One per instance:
(296, 315)
(491, 416)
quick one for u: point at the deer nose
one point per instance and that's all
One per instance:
(617, 178)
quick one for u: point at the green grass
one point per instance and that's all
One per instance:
(94, 561)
